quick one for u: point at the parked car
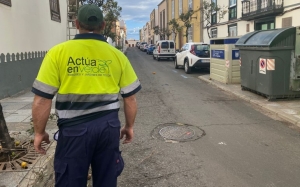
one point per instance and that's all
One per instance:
(145, 47)
(164, 49)
(193, 55)
(137, 44)
(150, 49)
(141, 47)
(141, 44)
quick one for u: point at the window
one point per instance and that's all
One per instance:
(185, 47)
(171, 45)
(232, 30)
(164, 45)
(232, 12)
(232, 3)
(287, 22)
(190, 34)
(202, 47)
(54, 10)
(214, 2)
(6, 2)
(214, 32)
(265, 24)
(164, 19)
(190, 5)
(248, 27)
(214, 18)
(160, 23)
(173, 9)
(179, 7)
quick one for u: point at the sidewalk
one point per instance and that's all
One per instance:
(17, 113)
(288, 110)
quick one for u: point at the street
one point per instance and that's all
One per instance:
(237, 144)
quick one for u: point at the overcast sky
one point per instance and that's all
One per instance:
(136, 13)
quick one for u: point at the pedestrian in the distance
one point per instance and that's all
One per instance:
(87, 75)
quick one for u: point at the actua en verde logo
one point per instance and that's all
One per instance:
(87, 67)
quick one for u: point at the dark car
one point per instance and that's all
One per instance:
(150, 49)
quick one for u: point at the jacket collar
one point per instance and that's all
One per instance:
(90, 36)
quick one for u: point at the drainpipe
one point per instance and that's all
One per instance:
(201, 19)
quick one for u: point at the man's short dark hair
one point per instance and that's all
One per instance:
(90, 27)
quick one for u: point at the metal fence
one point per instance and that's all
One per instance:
(257, 6)
(18, 71)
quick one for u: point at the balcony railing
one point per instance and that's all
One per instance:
(252, 9)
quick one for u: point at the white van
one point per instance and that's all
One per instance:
(164, 49)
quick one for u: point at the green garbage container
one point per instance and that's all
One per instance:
(268, 64)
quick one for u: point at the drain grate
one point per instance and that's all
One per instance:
(177, 132)
(30, 156)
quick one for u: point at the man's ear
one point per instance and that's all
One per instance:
(103, 24)
(77, 24)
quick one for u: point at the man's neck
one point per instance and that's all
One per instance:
(88, 32)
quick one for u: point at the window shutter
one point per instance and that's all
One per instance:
(287, 22)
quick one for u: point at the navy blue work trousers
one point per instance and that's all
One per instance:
(95, 144)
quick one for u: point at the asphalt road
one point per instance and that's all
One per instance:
(240, 146)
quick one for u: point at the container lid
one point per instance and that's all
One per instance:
(284, 37)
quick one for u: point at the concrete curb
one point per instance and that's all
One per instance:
(260, 103)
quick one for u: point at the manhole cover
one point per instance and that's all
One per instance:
(177, 132)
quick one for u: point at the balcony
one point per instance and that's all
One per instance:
(253, 9)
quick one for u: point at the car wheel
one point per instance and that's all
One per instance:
(175, 64)
(187, 68)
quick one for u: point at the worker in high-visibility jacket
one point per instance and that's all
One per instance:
(87, 75)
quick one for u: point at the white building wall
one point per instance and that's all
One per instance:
(27, 26)
(295, 18)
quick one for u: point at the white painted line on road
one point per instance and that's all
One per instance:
(174, 71)
(222, 143)
(184, 76)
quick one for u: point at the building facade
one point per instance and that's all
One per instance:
(178, 7)
(247, 16)
(153, 23)
(162, 16)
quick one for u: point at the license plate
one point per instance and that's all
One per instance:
(205, 61)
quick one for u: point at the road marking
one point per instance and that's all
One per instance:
(184, 76)
(174, 71)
